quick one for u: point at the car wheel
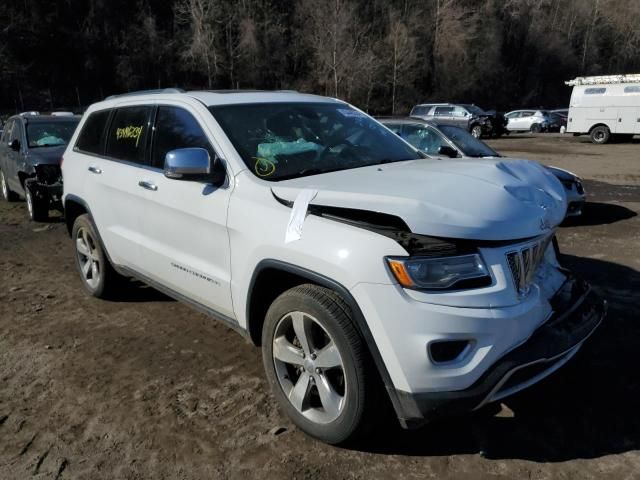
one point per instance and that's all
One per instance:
(7, 194)
(98, 277)
(600, 135)
(317, 364)
(536, 128)
(38, 208)
(476, 131)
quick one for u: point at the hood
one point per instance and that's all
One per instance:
(46, 155)
(482, 199)
(563, 174)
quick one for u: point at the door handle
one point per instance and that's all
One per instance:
(148, 185)
(95, 170)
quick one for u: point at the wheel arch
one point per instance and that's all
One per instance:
(74, 207)
(272, 277)
(599, 124)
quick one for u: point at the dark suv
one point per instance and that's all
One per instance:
(470, 117)
(31, 148)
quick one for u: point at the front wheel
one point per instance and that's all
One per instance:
(38, 208)
(317, 364)
(536, 128)
(476, 131)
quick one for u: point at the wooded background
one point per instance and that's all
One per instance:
(383, 56)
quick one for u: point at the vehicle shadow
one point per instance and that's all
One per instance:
(588, 409)
(596, 213)
(135, 291)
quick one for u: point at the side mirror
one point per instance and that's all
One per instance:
(189, 164)
(448, 151)
(14, 145)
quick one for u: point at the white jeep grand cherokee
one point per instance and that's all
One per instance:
(353, 260)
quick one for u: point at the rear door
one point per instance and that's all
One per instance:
(444, 115)
(112, 191)
(187, 245)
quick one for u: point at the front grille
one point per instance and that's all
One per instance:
(48, 174)
(524, 263)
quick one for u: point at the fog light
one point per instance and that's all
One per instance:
(447, 350)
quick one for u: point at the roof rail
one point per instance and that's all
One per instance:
(604, 79)
(146, 92)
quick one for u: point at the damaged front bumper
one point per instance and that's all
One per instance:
(578, 311)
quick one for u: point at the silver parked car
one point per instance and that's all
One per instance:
(527, 121)
(440, 140)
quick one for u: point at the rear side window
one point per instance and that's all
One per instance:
(444, 111)
(91, 137)
(632, 89)
(176, 128)
(128, 133)
(595, 91)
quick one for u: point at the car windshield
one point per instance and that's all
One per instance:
(50, 134)
(278, 141)
(467, 143)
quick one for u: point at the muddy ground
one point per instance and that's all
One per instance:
(147, 388)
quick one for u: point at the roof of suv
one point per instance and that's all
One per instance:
(45, 118)
(226, 97)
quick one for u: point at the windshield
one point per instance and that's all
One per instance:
(278, 141)
(50, 134)
(467, 143)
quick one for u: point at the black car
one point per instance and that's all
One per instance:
(31, 148)
(450, 141)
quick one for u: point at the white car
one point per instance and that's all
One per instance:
(534, 121)
(358, 265)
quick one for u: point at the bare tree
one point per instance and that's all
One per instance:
(403, 56)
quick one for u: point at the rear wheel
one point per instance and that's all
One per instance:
(317, 364)
(600, 135)
(7, 194)
(98, 277)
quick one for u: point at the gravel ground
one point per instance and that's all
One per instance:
(147, 388)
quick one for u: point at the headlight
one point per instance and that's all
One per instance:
(465, 271)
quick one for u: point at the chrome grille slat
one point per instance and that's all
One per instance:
(524, 263)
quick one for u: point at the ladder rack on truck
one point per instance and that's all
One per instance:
(604, 79)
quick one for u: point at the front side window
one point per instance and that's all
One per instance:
(459, 112)
(278, 141)
(423, 138)
(632, 89)
(467, 143)
(128, 133)
(50, 134)
(91, 137)
(176, 128)
(595, 91)
(526, 114)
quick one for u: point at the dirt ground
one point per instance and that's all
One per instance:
(147, 388)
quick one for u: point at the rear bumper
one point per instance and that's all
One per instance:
(578, 311)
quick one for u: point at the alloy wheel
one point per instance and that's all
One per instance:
(88, 258)
(309, 367)
(29, 203)
(5, 188)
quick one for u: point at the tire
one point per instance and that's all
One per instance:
(99, 279)
(476, 131)
(7, 194)
(332, 403)
(600, 135)
(536, 128)
(38, 208)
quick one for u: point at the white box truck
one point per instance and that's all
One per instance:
(603, 106)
